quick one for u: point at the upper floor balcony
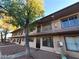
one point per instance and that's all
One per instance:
(70, 24)
(44, 27)
(18, 33)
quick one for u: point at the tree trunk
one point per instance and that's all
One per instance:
(27, 38)
(1, 37)
(5, 36)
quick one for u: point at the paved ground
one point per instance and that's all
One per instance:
(40, 54)
(37, 54)
(24, 57)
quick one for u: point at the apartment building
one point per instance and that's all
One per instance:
(18, 37)
(55, 31)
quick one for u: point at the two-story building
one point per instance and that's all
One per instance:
(59, 29)
(18, 37)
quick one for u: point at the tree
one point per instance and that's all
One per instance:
(1, 34)
(1, 37)
(23, 12)
(5, 26)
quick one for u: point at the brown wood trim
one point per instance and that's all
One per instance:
(67, 33)
(17, 37)
(61, 13)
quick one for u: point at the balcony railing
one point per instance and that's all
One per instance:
(72, 26)
(46, 28)
(70, 23)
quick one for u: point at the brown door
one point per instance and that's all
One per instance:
(38, 43)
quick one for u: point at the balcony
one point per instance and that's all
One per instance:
(34, 31)
(46, 28)
(69, 25)
(59, 31)
(69, 29)
(73, 27)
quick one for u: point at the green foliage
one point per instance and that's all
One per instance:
(21, 11)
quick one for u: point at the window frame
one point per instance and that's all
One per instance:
(74, 18)
(31, 39)
(38, 29)
(47, 38)
(47, 25)
(66, 44)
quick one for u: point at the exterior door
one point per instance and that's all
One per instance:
(38, 43)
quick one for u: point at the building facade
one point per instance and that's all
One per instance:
(55, 31)
(18, 37)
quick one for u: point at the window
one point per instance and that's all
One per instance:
(65, 23)
(38, 28)
(18, 33)
(15, 34)
(72, 43)
(70, 21)
(32, 29)
(14, 40)
(47, 27)
(31, 39)
(17, 40)
(22, 39)
(21, 33)
(48, 41)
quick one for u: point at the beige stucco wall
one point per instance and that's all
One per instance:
(56, 25)
(56, 44)
(56, 48)
(33, 44)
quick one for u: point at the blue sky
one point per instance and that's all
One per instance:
(52, 6)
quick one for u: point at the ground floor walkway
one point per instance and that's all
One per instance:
(13, 51)
(40, 54)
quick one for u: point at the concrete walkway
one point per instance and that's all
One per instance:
(40, 54)
(14, 49)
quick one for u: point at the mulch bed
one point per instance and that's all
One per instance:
(7, 43)
(10, 48)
